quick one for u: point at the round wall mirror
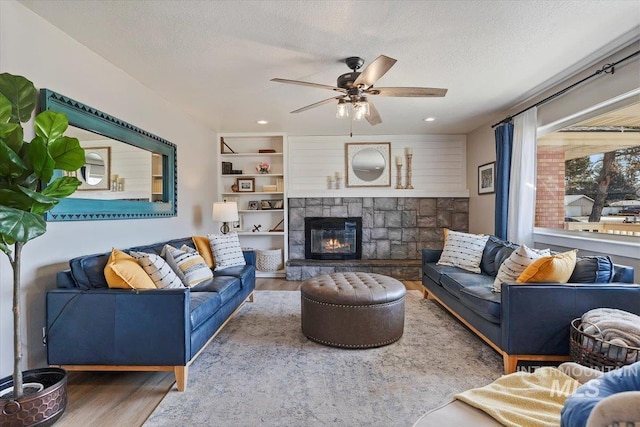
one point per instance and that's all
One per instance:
(368, 164)
(93, 171)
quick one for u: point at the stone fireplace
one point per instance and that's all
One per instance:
(394, 232)
(333, 238)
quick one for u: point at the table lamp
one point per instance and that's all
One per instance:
(225, 212)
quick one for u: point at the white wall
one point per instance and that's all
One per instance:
(439, 168)
(32, 47)
(481, 142)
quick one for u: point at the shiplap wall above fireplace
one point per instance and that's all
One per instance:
(439, 166)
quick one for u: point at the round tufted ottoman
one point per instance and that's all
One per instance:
(353, 310)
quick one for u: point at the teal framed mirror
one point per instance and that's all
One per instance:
(129, 173)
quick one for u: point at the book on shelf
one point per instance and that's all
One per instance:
(226, 167)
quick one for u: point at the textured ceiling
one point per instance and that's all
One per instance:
(215, 58)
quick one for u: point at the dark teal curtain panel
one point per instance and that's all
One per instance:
(504, 145)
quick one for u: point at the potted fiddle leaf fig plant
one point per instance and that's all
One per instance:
(29, 187)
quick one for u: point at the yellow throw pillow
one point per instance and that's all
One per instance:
(204, 249)
(550, 269)
(123, 272)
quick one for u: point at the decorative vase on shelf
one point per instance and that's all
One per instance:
(263, 167)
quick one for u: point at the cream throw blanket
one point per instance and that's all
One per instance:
(523, 399)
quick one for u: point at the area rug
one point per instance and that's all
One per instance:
(261, 370)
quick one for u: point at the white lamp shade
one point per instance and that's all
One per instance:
(225, 211)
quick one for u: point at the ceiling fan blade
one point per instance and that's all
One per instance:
(374, 71)
(317, 104)
(317, 85)
(374, 117)
(409, 91)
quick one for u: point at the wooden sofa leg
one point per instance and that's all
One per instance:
(426, 294)
(182, 375)
(250, 299)
(510, 363)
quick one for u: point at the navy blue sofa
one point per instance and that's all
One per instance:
(91, 327)
(526, 321)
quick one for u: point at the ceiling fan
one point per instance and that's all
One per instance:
(356, 87)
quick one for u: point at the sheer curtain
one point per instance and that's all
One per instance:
(522, 188)
(504, 143)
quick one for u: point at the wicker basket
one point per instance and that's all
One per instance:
(594, 352)
(269, 259)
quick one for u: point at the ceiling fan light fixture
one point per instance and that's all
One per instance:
(360, 109)
(343, 109)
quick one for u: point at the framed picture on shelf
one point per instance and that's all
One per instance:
(265, 204)
(239, 224)
(486, 178)
(277, 204)
(246, 185)
(253, 205)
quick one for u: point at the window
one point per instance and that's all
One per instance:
(588, 176)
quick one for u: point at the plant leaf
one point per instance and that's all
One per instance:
(40, 202)
(67, 153)
(21, 94)
(5, 109)
(7, 240)
(62, 187)
(11, 165)
(15, 198)
(12, 134)
(4, 248)
(50, 125)
(19, 225)
(40, 159)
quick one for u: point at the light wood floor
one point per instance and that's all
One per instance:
(109, 399)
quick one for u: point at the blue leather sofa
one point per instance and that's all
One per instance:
(91, 327)
(526, 321)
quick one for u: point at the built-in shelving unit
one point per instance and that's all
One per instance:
(156, 177)
(252, 205)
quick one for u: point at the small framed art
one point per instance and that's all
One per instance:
(487, 178)
(239, 224)
(253, 205)
(246, 185)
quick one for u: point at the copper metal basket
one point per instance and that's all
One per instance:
(594, 352)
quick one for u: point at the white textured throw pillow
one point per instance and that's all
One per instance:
(463, 250)
(157, 268)
(517, 262)
(226, 250)
(189, 266)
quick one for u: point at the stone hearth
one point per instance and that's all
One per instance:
(393, 228)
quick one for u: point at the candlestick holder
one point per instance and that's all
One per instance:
(330, 183)
(338, 183)
(399, 177)
(409, 186)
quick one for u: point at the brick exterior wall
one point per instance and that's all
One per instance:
(550, 187)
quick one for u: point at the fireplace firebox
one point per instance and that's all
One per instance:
(333, 238)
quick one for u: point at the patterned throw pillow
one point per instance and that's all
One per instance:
(189, 266)
(463, 250)
(517, 262)
(157, 268)
(226, 250)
